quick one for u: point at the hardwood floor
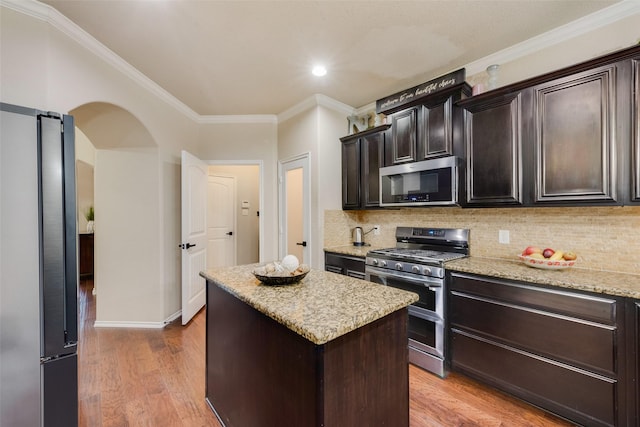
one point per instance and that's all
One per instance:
(148, 377)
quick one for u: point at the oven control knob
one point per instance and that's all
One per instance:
(383, 263)
(398, 266)
(426, 271)
(416, 269)
(374, 261)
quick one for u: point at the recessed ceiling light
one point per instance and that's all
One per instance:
(319, 70)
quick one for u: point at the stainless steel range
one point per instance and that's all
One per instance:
(417, 264)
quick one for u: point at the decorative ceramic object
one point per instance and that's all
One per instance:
(492, 70)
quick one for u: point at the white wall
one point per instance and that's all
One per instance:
(317, 130)
(43, 68)
(247, 142)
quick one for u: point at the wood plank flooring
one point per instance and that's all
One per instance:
(146, 377)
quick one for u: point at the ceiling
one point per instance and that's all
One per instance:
(255, 57)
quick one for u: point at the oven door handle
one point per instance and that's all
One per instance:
(427, 282)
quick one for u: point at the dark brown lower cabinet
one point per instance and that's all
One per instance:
(344, 264)
(634, 363)
(260, 373)
(561, 350)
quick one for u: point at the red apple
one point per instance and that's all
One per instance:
(548, 253)
(531, 250)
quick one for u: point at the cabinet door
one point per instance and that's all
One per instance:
(435, 140)
(634, 365)
(351, 174)
(574, 125)
(635, 165)
(372, 151)
(493, 139)
(403, 137)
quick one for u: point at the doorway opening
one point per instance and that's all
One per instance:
(294, 196)
(235, 203)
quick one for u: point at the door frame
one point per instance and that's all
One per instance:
(260, 164)
(305, 160)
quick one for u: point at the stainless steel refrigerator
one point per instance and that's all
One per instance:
(38, 269)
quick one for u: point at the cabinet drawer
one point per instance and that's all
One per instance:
(578, 395)
(587, 307)
(344, 264)
(581, 343)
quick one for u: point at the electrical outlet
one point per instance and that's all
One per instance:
(376, 230)
(503, 236)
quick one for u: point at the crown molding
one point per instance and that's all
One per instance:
(606, 16)
(46, 13)
(230, 119)
(50, 15)
(63, 24)
(314, 101)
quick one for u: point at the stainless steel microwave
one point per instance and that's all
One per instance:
(429, 182)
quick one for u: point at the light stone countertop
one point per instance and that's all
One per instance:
(321, 307)
(357, 251)
(603, 282)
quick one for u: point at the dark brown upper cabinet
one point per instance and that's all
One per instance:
(404, 137)
(635, 114)
(567, 138)
(362, 157)
(437, 127)
(574, 138)
(430, 129)
(493, 140)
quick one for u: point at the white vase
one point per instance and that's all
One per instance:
(90, 226)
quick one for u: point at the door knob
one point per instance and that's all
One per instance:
(301, 243)
(230, 233)
(186, 245)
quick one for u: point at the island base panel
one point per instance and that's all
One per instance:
(261, 373)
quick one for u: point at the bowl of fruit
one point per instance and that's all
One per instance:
(547, 259)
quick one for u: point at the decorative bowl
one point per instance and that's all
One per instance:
(279, 279)
(546, 264)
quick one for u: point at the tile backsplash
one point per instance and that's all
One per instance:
(605, 238)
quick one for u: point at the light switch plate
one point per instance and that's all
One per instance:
(503, 236)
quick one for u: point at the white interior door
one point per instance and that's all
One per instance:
(221, 219)
(295, 208)
(194, 234)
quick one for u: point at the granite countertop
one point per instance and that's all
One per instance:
(321, 307)
(358, 251)
(603, 282)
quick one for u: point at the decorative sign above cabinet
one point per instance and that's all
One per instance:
(409, 96)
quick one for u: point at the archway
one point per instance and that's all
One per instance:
(126, 200)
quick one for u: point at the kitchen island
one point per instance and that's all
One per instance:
(330, 350)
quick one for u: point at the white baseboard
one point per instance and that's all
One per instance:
(141, 325)
(173, 317)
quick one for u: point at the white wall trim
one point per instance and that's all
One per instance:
(606, 16)
(173, 317)
(138, 325)
(229, 119)
(33, 8)
(313, 101)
